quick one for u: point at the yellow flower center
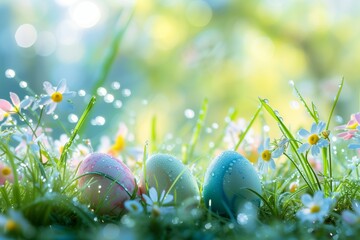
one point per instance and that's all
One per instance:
(6, 114)
(57, 97)
(6, 171)
(313, 139)
(315, 209)
(352, 126)
(119, 144)
(266, 155)
(10, 225)
(134, 207)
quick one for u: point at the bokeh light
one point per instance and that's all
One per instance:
(26, 35)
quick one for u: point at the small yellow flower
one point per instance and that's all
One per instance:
(57, 97)
(10, 226)
(6, 171)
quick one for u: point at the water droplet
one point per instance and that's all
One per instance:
(208, 226)
(98, 121)
(118, 104)
(126, 92)
(55, 116)
(339, 119)
(212, 174)
(101, 91)
(189, 113)
(215, 126)
(81, 93)
(266, 128)
(291, 83)
(73, 118)
(266, 100)
(10, 73)
(109, 98)
(23, 84)
(115, 85)
(294, 104)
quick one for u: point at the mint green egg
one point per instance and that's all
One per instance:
(164, 171)
(227, 182)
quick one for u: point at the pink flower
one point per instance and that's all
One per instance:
(350, 129)
(7, 108)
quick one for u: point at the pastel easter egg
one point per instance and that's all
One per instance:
(227, 181)
(105, 183)
(163, 171)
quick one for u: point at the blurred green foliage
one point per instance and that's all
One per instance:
(174, 54)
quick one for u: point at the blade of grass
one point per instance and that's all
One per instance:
(75, 133)
(197, 130)
(243, 134)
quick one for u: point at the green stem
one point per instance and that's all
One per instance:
(242, 136)
(75, 132)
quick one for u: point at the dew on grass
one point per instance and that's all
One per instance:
(189, 113)
(291, 83)
(101, 91)
(118, 104)
(115, 85)
(72, 118)
(126, 92)
(339, 119)
(294, 104)
(10, 73)
(109, 98)
(23, 84)
(98, 121)
(81, 93)
(208, 226)
(266, 128)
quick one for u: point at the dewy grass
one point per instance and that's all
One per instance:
(47, 194)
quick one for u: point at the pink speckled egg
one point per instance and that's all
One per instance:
(105, 183)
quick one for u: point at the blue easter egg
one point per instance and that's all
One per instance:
(227, 181)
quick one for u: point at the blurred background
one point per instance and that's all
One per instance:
(163, 58)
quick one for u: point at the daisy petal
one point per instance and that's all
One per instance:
(323, 143)
(277, 153)
(272, 164)
(314, 128)
(26, 102)
(306, 199)
(321, 126)
(61, 86)
(303, 148)
(69, 95)
(267, 143)
(168, 199)
(318, 197)
(315, 150)
(48, 88)
(354, 146)
(45, 100)
(349, 217)
(147, 199)
(357, 117)
(5, 105)
(303, 133)
(153, 194)
(51, 108)
(15, 99)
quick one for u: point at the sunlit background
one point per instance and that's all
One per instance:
(169, 55)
